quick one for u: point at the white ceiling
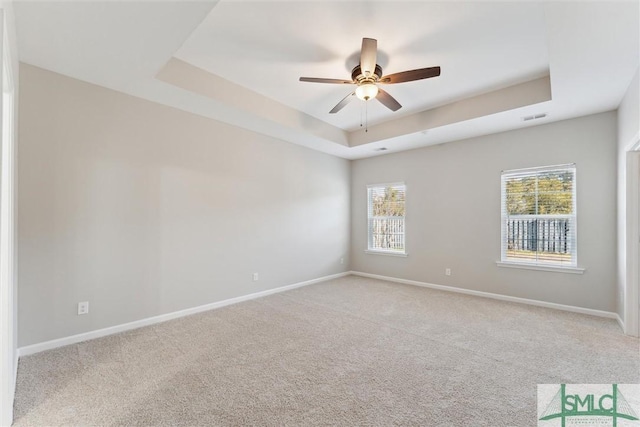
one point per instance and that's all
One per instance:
(479, 46)
(254, 52)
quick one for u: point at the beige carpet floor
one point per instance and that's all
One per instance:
(352, 351)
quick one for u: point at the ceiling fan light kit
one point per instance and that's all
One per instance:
(367, 75)
(367, 91)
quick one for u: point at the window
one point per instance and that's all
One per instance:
(386, 210)
(539, 216)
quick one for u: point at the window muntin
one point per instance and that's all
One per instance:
(539, 216)
(386, 218)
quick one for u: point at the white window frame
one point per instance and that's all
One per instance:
(571, 267)
(376, 251)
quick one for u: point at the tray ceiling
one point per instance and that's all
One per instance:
(239, 62)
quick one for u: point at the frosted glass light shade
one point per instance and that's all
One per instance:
(366, 91)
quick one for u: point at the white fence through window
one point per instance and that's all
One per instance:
(387, 233)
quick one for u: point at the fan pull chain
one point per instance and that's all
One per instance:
(366, 116)
(360, 116)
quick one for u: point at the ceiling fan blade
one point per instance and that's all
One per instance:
(347, 99)
(388, 100)
(409, 76)
(321, 80)
(368, 56)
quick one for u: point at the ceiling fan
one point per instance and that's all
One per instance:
(367, 75)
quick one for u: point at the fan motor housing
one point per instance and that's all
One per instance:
(357, 76)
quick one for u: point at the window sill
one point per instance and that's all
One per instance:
(569, 270)
(398, 254)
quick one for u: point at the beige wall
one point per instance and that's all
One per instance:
(142, 209)
(453, 211)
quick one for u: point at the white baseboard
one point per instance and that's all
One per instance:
(61, 342)
(6, 414)
(620, 322)
(15, 374)
(553, 305)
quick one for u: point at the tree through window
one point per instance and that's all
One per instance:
(386, 212)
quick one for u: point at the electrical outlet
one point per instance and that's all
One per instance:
(83, 307)
(447, 272)
(255, 277)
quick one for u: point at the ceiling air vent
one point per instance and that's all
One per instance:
(534, 117)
